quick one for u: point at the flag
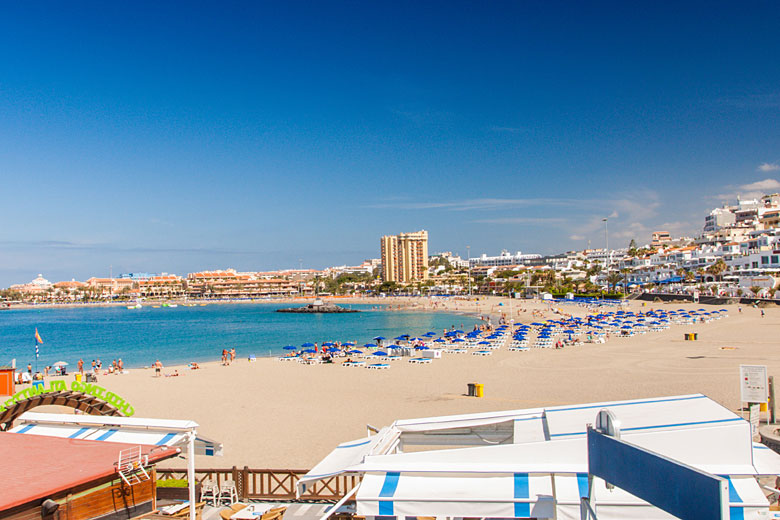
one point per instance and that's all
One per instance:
(38, 341)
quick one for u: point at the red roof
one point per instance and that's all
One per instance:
(38, 466)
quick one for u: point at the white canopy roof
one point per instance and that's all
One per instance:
(520, 495)
(547, 446)
(129, 430)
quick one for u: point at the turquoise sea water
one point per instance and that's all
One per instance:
(184, 334)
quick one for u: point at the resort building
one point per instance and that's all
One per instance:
(163, 286)
(405, 257)
(660, 238)
(111, 286)
(38, 286)
(230, 284)
(505, 258)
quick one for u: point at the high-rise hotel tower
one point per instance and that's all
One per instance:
(405, 257)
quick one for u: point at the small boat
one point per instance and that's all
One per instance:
(136, 306)
(173, 305)
(203, 304)
(155, 306)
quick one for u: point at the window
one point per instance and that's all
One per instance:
(755, 265)
(764, 260)
(774, 260)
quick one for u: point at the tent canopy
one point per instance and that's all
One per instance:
(128, 430)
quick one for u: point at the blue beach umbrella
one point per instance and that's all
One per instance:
(422, 347)
(354, 351)
(458, 340)
(369, 345)
(348, 344)
(379, 338)
(380, 353)
(310, 351)
(439, 341)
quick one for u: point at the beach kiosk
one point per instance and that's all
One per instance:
(148, 434)
(534, 463)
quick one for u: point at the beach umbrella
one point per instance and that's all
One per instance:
(402, 338)
(369, 345)
(417, 339)
(354, 351)
(290, 347)
(429, 334)
(422, 347)
(483, 343)
(458, 340)
(60, 364)
(379, 338)
(305, 345)
(458, 332)
(380, 353)
(348, 344)
(328, 344)
(439, 341)
(310, 351)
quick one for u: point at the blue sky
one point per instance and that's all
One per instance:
(197, 135)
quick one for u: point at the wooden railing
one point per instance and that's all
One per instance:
(269, 484)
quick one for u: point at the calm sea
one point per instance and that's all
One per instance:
(183, 334)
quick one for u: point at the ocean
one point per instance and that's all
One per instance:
(183, 334)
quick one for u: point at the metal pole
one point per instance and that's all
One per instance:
(771, 400)
(468, 253)
(191, 472)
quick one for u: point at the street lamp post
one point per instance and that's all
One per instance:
(606, 239)
(468, 255)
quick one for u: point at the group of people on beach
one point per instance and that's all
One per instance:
(228, 356)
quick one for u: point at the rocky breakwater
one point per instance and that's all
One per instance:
(318, 307)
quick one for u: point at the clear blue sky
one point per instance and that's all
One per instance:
(250, 135)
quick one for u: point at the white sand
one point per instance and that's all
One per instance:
(272, 414)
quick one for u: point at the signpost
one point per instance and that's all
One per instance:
(753, 384)
(755, 414)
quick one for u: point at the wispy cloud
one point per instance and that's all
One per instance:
(522, 220)
(768, 167)
(753, 190)
(477, 204)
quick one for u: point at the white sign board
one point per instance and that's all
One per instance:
(753, 384)
(755, 414)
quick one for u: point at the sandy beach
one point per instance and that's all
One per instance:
(272, 414)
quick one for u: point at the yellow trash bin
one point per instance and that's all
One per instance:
(763, 407)
(479, 389)
(78, 378)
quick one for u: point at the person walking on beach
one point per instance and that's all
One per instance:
(232, 354)
(158, 368)
(81, 366)
(120, 365)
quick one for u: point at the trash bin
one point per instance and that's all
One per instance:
(471, 389)
(78, 377)
(695, 336)
(479, 390)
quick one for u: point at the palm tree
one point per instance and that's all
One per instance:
(613, 278)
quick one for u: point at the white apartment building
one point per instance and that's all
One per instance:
(505, 258)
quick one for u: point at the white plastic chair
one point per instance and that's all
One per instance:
(227, 491)
(209, 491)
